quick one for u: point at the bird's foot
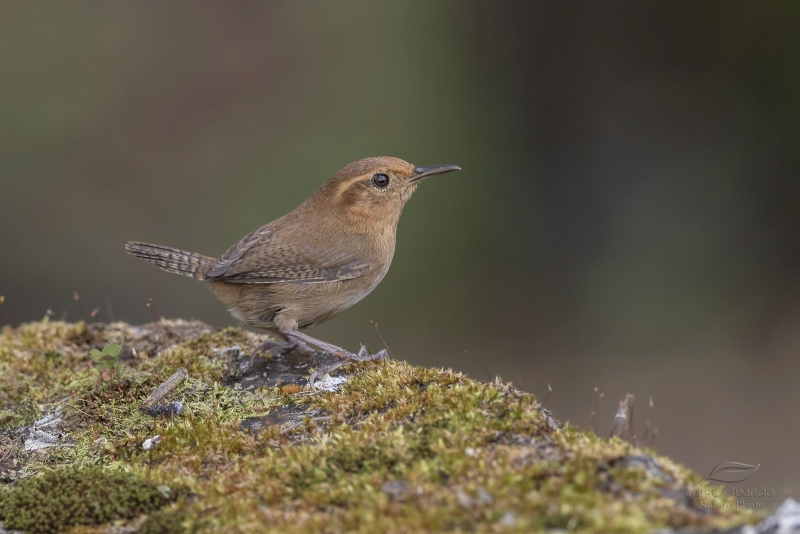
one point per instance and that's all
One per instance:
(345, 355)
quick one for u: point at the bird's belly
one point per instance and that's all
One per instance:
(320, 302)
(292, 306)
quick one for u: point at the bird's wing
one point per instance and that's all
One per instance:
(264, 257)
(237, 251)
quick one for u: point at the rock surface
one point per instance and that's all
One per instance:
(380, 447)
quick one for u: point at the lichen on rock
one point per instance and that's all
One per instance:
(387, 447)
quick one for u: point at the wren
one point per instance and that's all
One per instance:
(314, 262)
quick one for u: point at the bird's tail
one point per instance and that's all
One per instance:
(172, 260)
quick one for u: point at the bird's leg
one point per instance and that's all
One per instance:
(287, 345)
(346, 356)
(362, 356)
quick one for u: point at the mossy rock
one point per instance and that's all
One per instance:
(60, 499)
(162, 523)
(23, 414)
(393, 448)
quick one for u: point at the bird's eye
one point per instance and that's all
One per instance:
(380, 180)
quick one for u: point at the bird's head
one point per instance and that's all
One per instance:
(375, 190)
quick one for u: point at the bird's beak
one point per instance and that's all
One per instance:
(423, 172)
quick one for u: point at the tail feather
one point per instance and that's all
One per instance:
(172, 260)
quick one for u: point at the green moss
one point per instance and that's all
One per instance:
(60, 499)
(163, 523)
(398, 448)
(23, 414)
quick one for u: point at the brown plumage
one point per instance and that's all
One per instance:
(314, 262)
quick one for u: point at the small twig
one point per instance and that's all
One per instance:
(161, 391)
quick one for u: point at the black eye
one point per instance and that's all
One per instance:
(380, 180)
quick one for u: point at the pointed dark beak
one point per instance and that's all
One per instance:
(423, 172)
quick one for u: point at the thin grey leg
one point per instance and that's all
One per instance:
(347, 356)
(287, 345)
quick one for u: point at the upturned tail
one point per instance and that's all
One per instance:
(173, 260)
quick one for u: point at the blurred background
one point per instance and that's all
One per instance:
(628, 216)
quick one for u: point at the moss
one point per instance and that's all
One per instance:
(60, 499)
(397, 448)
(163, 523)
(23, 414)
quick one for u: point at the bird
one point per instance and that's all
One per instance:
(314, 262)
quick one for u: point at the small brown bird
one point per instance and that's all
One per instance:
(314, 262)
